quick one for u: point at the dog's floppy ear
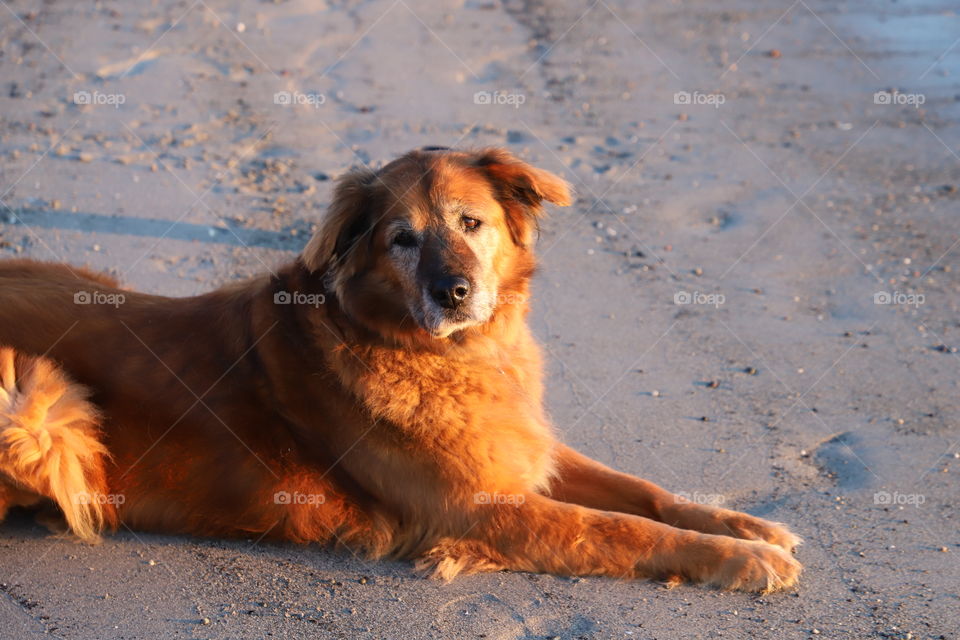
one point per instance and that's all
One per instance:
(347, 219)
(521, 189)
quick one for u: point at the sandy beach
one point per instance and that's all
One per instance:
(754, 299)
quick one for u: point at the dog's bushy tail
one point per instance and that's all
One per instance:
(49, 442)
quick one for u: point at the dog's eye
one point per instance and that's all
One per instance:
(471, 224)
(405, 239)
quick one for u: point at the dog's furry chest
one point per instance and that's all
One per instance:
(479, 420)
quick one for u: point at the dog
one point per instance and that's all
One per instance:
(382, 392)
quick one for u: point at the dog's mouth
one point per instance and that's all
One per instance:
(442, 323)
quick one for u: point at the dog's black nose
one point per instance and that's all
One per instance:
(450, 291)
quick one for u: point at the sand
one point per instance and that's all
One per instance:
(707, 305)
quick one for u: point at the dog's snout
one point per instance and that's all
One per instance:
(450, 291)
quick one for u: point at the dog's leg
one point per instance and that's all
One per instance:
(587, 482)
(539, 534)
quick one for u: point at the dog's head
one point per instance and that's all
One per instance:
(436, 241)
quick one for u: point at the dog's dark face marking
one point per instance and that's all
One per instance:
(430, 241)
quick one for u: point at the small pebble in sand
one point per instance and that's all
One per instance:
(704, 419)
(697, 271)
(205, 621)
(944, 549)
(152, 562)
(774, 53)
(713, 384)
(750, 371)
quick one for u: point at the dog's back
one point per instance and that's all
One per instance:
(40, 302)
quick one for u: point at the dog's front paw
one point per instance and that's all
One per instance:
(747, 527)
(748, 565)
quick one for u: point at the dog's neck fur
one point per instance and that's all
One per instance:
(333, 331)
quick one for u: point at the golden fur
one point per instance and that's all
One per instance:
(49, 443)
(383, 391)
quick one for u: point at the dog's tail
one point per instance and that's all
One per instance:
(49, 442)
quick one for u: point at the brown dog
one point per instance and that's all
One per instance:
(383, 392)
